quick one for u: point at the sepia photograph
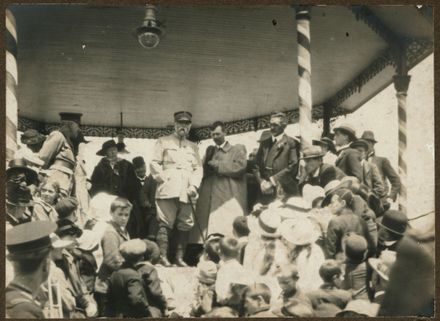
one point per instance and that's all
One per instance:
(219, 160)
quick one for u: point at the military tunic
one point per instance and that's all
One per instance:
(20, 304)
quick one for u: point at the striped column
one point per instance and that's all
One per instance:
(11, 86)
(401, 84)
(304, 73)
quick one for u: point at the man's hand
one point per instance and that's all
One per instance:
(266, 187)
(192, 192)
(213, 163)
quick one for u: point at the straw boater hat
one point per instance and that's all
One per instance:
(311, 192)
(300, 231)
(382, 265)
(312, 152)
(294, 207)
(268, 224)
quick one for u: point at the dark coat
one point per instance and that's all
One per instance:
(349, 161)
(118, 181)
(152, 287)
(326, 174)
(279, 161)
(339, 226)
(387, 172)
(20, 303)
(372, 179)
(142, 223)
(127, 295)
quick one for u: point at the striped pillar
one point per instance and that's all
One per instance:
(304, 73)
(11, 86)
(401, 84)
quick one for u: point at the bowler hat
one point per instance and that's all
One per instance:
(312, 152)
(18, 195)
(66, 206)
(32, 137)
(29, 240)
(19, 165)
(369, 135)
(360, 143)
(138, 162)
(106, 145)
(394, 221)
(182, 116)
(347, 129)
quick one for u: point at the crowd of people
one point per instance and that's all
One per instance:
(286, 231)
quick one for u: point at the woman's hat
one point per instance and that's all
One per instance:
(18, 195)
(32, 137)
(19, 165)
(106, 145)
(300, 231)
(268, 223)
(382, 265)
(394, 221)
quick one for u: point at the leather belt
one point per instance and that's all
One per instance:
(63, 163)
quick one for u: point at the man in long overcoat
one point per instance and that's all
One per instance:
(223, 189)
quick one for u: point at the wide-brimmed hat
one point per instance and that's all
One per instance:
(394, 221)
(268, 223)
(18, 195)
(300, 231)
(19, 165)
(32, 137)
(106, 145)
(360, 306)
(312, 192)
(347, 129)
(382, 265)
(360, 143)
(369, 135)
(312, 152)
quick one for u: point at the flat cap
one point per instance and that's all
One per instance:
(131, 248)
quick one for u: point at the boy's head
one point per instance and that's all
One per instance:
(330, 272)
(240, 226)
(355, 247)
(120, 211)
(66, 208)
(288, 277)
(228, 248)
(256, 298)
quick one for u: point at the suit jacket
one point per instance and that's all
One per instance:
(387, 172)
(373, 179)
(349, 161)
(279, 161)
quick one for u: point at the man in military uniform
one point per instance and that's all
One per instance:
(29, 246)
(177, 168)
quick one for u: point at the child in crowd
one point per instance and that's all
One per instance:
(355, 250)
(126, 293)
(257, 301)
(287, 279)
(205, 290)
(230, 271)
(241, 231)
(66, 209)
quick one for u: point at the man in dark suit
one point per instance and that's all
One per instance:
(316, 172)
(387, 172)
(277, 161)
(349, 159)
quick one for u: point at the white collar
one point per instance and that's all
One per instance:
(343, 147)
(222, 146)
(316, 173)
